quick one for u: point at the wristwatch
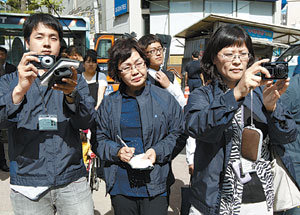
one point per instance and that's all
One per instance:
(72, 94)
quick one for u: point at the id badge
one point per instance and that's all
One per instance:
(48, 122)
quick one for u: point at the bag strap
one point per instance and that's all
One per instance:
(97, 76)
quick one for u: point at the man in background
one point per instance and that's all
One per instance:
(5, 68)
(193, 75)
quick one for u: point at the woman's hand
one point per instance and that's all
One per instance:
(250, 80)
(272, 93)
(126, 153)
(162, 79)
(151, 155)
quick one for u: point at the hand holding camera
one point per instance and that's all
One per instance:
(61, 69)
(277, 70)
(45, 61)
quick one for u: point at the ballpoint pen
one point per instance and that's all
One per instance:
(122, 141)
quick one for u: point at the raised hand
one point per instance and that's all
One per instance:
(250, 80)
(162, 79)
(27, 74)
(272, 93)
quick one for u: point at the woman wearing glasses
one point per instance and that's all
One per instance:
(154, 51)
(138, 118)
(224, 182)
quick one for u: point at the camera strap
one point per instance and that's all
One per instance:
(251, 108)
(43, 97)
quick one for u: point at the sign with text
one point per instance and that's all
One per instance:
(121, 7)
(259, 33)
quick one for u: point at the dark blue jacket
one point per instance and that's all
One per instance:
(209, 114)
(291, 152)
(44, 158)
(162, 123)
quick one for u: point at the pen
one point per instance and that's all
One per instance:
(119, 138)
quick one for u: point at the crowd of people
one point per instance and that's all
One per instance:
(138, 130)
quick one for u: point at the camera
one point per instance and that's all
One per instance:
(46, 61)
(277, 70)
(61, 69)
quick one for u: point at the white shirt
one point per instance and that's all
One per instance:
(190, 150)
(174, 88)
(101, 79)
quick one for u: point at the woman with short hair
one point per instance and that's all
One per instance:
(141, 121)
(217, 114)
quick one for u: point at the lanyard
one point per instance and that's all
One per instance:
(42, 96)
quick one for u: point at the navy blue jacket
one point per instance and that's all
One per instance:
(162, 124)
(209, 114)
(291, 152)
(44, 158)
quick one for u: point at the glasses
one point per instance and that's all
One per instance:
(138, 66)
(230, 57)
(156, 50)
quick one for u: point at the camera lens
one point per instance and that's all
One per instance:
(47, 62)
(280, 71)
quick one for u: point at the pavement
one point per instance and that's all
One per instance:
(102, 204)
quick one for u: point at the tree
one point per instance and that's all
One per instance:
(30, 6)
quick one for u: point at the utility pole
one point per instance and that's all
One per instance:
(96, 12)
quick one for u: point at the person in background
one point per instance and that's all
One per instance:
(47, 173)
(217, 114)
(193, 75)
(154, 51)
(96, 80)
(63, 52)
(73, 53)
(147, 120)
(291, 99)
(5, 68)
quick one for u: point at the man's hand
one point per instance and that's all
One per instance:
(27, 74)
(162, 79)
(151, 155)
(126, 153)
(191, 169)
(69, 85)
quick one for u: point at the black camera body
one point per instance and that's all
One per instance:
(61, 69)
(277, 70)
(46, 61)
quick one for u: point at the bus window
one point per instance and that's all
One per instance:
(103, 47)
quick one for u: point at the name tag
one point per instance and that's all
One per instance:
(48, 122)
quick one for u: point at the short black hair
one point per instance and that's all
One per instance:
(90, 54)
(72, 50)
(33, 21)
(2, 49)
(148, 39)
(120, 52)
(195, 54)
(225, 36)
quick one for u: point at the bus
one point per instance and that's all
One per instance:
(76, 32)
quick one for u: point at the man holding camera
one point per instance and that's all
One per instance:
(46, 167)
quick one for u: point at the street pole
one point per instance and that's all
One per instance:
(96, 12)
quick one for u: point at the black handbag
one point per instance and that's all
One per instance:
(185, 200)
